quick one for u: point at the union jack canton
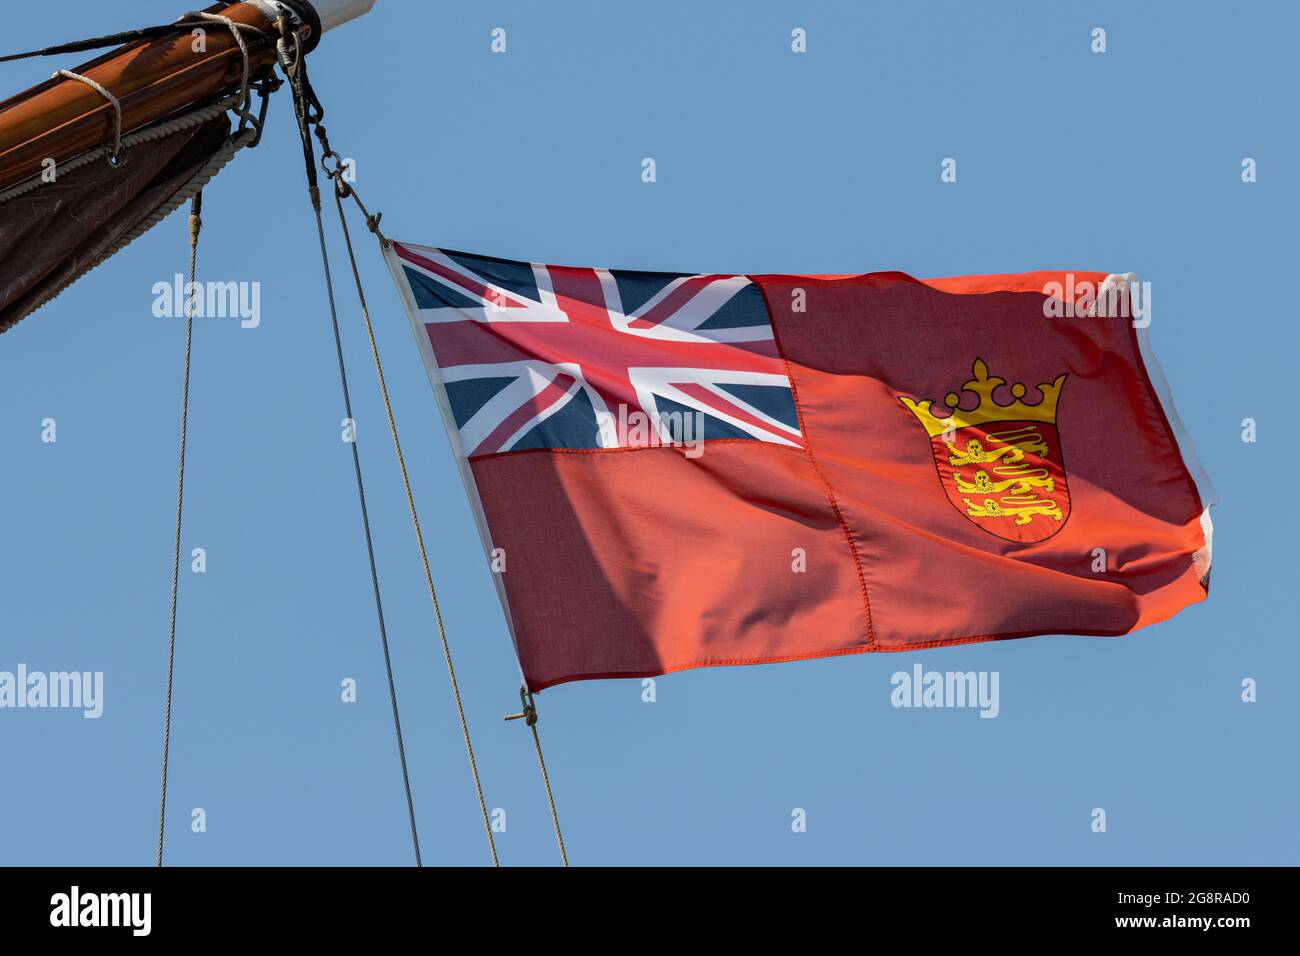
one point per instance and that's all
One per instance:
(533, 356)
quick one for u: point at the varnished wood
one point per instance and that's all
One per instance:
(62, 118)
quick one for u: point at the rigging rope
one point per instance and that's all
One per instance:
(340, 186)
(196, 224)
(245, 96)
(370, 548)
(297, 78)
(237, 31)
(529, 715)
(309, 112)
(115, 39)
(550, 797)
(343, 191)
(149, 134)
(113, 101)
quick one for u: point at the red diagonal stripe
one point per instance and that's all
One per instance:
(712, 399)
(500, 299)
(515, 420)
(674, 301)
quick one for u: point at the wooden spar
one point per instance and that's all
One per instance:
(152, 79)
(62, 118)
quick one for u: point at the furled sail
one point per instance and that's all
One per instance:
(96, 156)
(55, 232)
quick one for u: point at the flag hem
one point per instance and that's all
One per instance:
(412, 309)
(1179, 437)
(1195, 597)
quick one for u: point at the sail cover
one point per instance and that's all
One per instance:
(54, 232)
(673, 471)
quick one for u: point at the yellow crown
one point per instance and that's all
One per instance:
(988, 410)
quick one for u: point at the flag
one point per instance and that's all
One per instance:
(671, 471)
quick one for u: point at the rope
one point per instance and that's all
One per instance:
(529, 715)
(299, 109)
(248, 136)
(115, 39)
(309, 111)
(205, 175)
(196, 224)
(343, 190)
(158, 131)
(244, 95)
(550, 797)
(248, 139)
(239, 104)
(415, 520)
(370, 548)
(113, 100)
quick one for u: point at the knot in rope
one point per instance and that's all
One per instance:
(113, 101)
(245, 94)
(529, 713)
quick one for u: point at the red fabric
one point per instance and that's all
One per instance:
(630, 562)
(633, 562)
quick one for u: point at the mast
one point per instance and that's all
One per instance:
(152, 79)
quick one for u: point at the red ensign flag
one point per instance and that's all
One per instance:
(673, 471)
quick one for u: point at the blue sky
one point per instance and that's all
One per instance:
(767, 161)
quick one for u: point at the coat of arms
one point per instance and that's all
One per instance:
(1000, 465)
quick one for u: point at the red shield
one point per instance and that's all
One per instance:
(1007, 477)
